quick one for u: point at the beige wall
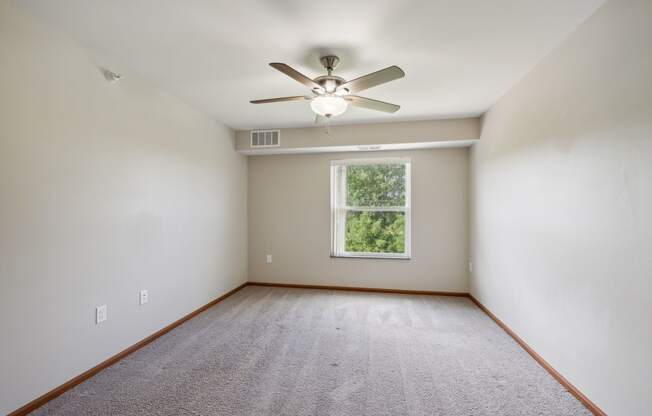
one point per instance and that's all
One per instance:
(562, 197)
(289, 217)
(104, 190)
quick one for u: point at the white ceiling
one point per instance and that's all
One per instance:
(459, 56)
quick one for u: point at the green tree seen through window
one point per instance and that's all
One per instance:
(378, 186)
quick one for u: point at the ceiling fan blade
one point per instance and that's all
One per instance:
(297, 76)
(371, 80)
(371, 104)
(280, 99)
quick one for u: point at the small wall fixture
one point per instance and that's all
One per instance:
(112, 77)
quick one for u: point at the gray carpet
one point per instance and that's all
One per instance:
(277, 351)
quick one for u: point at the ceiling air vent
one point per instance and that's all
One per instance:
(266, 138)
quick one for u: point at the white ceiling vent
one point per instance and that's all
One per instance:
(266, 138)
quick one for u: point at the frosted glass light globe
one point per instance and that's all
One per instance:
(328, 106)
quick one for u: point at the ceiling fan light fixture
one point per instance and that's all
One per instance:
(328, 105)
(331, 95)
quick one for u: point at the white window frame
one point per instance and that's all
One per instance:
(339, 209)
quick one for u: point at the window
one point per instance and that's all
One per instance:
(370, 208)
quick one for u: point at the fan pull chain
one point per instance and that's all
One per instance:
(328, 127)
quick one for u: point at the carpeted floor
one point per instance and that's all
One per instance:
(277, 351)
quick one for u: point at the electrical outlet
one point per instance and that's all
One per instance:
(269, 258)
(100, 314)
(144, 296)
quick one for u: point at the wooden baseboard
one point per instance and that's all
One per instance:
(363, 289)
(57, 391)
(593, 408)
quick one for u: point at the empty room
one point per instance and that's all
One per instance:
(346, 208)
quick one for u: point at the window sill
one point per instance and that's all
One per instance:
(372, 256)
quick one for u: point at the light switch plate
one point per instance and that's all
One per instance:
(269, 258)
(144, 296)
(100, 314)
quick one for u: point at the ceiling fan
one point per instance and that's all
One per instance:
(331, 94)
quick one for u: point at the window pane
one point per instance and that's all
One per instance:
(375, 232)
(375, 185)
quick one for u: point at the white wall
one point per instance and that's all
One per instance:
(104, 190)
(289, 217)
(561, 208)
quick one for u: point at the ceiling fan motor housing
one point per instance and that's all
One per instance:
(329, 83)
